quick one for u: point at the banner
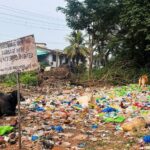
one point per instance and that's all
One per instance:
(18, 55)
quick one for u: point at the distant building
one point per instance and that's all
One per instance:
(49, 57)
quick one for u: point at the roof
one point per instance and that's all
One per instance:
(45, 51)
(39, 52)
(40, 43)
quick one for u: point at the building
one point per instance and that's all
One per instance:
(48, 57)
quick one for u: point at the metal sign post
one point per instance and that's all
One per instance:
(19, 111)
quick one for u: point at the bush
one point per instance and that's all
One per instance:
(9, 80)
(117, 72)
(27, 78)
(120, 72)
(81, 68)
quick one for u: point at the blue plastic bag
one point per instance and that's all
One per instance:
(39, 109)
(109, 109)
(146, 139)
(34, 138)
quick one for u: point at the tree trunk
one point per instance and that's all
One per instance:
(77, 60)
(106, 57)
(90, 63)
(90, 56)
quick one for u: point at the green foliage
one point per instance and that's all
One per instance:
(81, 68)
(90, 14)
(84, 76)
(80, 72)
(119, 27)
(117, 72)
(76, 50)
(27, 78)
(9, 80)
(144, 71)
(99, 19)
(135, 31)
(97, 73)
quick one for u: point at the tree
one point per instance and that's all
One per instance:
(76, 50)
(118, 27)
(135, 31)
(97, 17)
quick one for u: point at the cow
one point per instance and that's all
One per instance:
(8, 103)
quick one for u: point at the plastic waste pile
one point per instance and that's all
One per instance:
(73, 118)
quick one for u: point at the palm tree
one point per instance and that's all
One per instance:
(76, 50)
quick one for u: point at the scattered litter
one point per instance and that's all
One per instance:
(73, 117)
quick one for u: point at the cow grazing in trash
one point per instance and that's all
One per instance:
(8, 103)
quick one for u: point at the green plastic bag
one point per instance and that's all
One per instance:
(5, 129)
(100, 115)
(109, 120)
(118, 119)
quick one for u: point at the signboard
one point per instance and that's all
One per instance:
(18, 55)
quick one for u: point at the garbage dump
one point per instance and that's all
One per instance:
(75, 118)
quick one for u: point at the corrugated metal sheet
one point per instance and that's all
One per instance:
(41, 52)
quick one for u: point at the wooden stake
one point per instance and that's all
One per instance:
(19, 112)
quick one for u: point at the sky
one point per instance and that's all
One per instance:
(19, 18)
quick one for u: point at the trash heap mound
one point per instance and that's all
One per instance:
(78, 118)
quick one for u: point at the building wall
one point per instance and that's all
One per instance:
(53, 62)
(50, 58)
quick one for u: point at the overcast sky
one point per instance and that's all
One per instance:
(19, 18)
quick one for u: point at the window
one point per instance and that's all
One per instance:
(54, 57)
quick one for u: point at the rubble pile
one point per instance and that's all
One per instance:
(82, 118)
